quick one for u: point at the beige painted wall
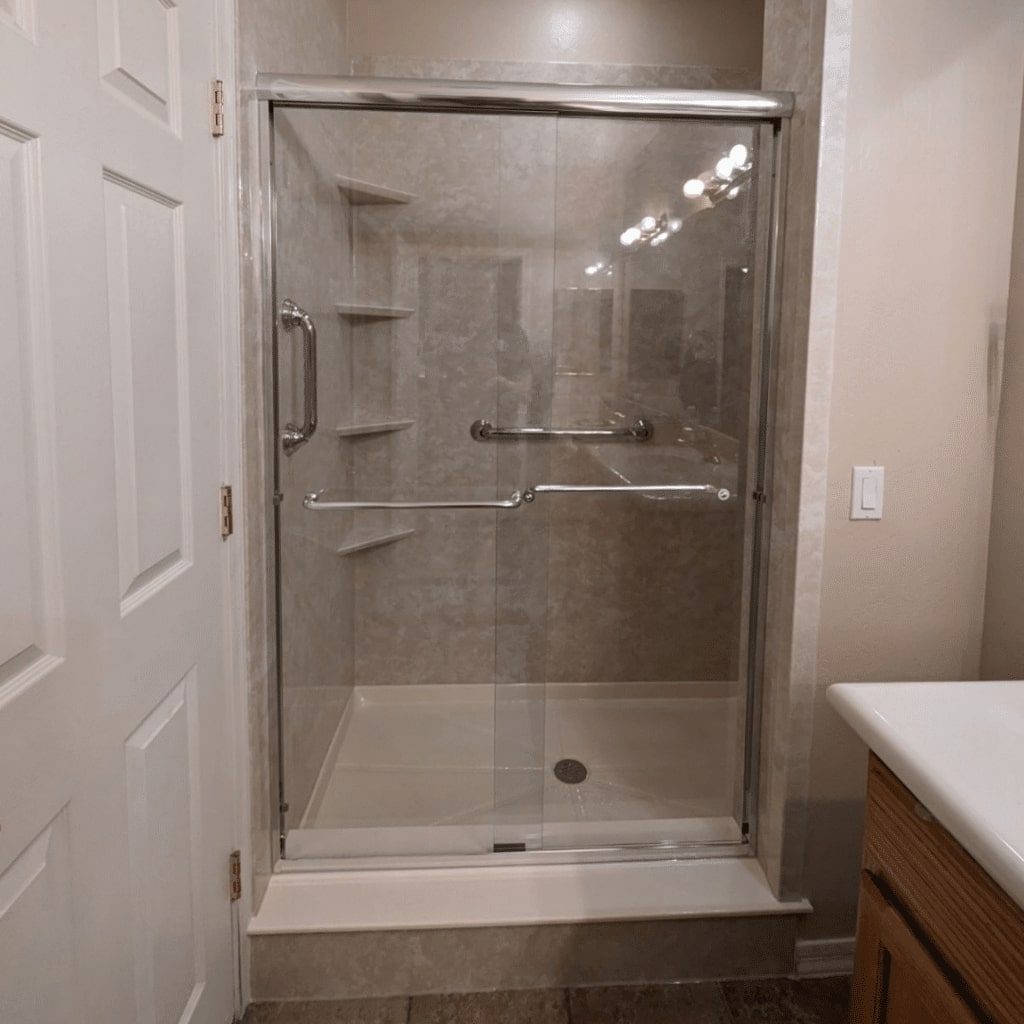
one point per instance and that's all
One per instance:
(723, 33)
(1002, 655)
(922, 284)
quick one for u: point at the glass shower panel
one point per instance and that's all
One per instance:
(408, 236)
(639, 640)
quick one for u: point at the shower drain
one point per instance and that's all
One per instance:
(570, 771)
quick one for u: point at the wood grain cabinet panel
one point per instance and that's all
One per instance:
(938, 942)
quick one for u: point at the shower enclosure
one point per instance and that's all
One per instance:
(521, 403)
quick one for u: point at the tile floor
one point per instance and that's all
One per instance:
(819, 1001)
(425, 756)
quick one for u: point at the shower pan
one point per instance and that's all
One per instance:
(520, 385)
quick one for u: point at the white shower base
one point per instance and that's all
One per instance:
(411, 769)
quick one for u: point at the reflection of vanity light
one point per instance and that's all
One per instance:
(733, 193)
(659, 238)
(724, 168)
(693, 189)
(630, 236)
(594, 268)
(648, 224)
(738, 155)
(675, 224)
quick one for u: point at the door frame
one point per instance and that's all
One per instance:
(236, 639)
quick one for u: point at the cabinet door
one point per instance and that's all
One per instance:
(896, 981)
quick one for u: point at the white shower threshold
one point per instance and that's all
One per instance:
(499, 896)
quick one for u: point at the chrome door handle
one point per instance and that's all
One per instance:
(293, 437)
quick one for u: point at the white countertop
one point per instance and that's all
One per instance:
(959, 748)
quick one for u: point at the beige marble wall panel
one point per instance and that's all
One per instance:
(627, 32)
(696, 76)
(794, 42)
(314, 269)
(307, 34)
(351, 965)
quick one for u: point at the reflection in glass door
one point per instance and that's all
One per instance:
(515, 549)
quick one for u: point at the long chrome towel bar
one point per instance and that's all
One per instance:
(315, 504)
(721, 493)
(638, 430)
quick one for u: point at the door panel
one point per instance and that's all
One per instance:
(115, 772)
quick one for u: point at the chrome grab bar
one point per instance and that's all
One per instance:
(314, 503)
(721, 493)
(638, 430)
(293, 437)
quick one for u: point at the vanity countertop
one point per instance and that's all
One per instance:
(959, 748)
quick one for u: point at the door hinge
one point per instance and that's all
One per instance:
(217, 108)
(236, 876)
(227, 512)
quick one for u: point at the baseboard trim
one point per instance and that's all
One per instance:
(824, 958)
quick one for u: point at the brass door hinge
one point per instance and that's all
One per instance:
(217, 108)
(227, 512)
(236, 876)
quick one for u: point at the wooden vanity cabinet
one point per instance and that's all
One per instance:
(938, 942)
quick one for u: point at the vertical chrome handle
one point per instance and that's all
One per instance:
(293, 437)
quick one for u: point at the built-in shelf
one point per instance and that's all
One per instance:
(357, 311)
(366, 193)
(363, 540)
(365, 429)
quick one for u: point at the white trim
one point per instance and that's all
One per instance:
(824, 958)
(393, 900)
(231, 434)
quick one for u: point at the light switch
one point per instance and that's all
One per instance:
(866, 493)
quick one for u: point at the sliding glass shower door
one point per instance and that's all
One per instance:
(517, 423)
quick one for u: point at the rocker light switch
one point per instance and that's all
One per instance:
(866, 496)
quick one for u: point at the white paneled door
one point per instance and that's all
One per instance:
(115, 760)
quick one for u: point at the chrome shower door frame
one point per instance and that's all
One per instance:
(770, 110)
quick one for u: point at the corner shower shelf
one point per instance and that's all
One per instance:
(365, 429)
(363, 540)
(357, 311)
(366, 193)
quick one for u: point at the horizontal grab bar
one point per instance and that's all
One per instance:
(530, 494)
(315, 504)
(638, 430)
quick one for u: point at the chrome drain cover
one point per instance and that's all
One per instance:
(570, 771)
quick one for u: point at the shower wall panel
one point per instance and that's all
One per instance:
(585, 591)
(314, 269)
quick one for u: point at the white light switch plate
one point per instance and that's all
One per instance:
(867, 492)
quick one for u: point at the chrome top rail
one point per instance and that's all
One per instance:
(638, 430)
(519, 98)
(721, 493)
(315, 503)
